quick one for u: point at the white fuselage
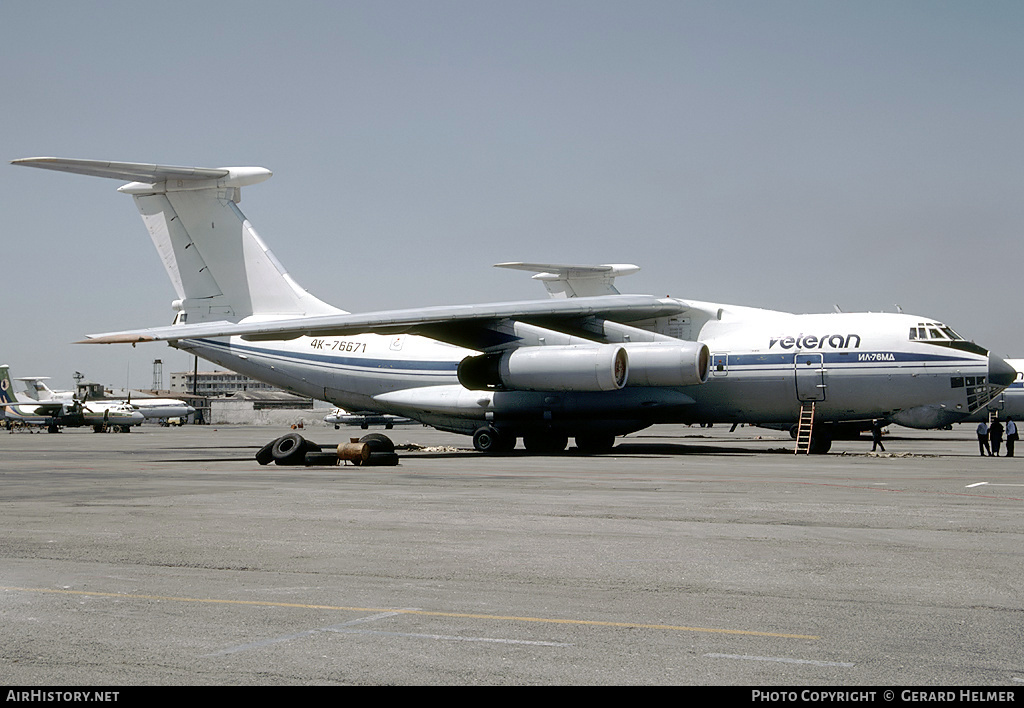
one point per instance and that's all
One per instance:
(150, 408)
(94, 413)
(764, 365)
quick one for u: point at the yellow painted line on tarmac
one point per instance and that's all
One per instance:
(426, 613)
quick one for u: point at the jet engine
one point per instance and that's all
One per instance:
(668, 363)
(601, 367)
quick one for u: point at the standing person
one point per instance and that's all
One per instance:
(1011, 436)
(983, 439)
(995, 436)
(876, 435)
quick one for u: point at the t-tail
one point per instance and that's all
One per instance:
(218, 264)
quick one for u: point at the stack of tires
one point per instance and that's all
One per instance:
(294, 450)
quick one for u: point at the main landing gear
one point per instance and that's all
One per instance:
(493, 441)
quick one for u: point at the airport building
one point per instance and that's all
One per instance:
(216, 383)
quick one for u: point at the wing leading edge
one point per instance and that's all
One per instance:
(435, 322)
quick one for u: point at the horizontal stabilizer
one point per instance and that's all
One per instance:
(181, 178)
(131, 171)
(564, 281)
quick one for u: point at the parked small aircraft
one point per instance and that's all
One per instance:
(151, 408)
(56, 414)
(364, 419)
(588, 363)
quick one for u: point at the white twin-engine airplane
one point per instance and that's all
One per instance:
(588, 363)
(64, 412)
(150, 408)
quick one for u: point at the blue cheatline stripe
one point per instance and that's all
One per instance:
(849, 358)
(364, 364)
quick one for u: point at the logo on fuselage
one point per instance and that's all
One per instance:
(811, 341)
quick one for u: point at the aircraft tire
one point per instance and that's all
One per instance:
(378, 442)
(290, 449)
(320, 459)
(490, 441)
(545, 443)
(595, 443)
(820, 444)
(381, 459)
(266, 453)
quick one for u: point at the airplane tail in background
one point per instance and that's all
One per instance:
(6, 387)
(36, 388)
(220, 267)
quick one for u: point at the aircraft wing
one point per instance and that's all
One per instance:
(445, 323)
(36, 408)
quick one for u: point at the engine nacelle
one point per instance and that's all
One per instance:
(600, 367)
(668, 363)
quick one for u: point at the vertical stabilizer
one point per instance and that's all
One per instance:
(6, 387)
(218, 264)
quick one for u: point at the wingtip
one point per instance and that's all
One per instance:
(117, 339)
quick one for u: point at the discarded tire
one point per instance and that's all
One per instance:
(320, 459)
(266, 454)
(290, 449)
(381, 459)
(378, 442)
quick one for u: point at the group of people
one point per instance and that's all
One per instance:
(990, 437)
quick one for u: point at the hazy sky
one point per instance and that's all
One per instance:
(788, 155)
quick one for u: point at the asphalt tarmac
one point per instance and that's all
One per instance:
(686, 556)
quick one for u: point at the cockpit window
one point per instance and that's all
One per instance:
(933, 330)
(941, 335)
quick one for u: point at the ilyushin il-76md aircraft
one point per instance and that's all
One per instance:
(587, 363)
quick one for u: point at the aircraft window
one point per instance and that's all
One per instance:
(936, 334)
(951, 334)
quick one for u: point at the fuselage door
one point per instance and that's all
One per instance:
(719, 364)
(810, 377)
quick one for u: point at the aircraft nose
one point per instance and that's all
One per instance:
(999, 372)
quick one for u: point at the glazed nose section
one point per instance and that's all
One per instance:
(999, 372)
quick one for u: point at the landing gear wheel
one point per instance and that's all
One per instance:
(595, 443)
(545, 443)
(820, 444)
(490, 441)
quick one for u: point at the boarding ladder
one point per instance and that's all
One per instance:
(804, 428)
